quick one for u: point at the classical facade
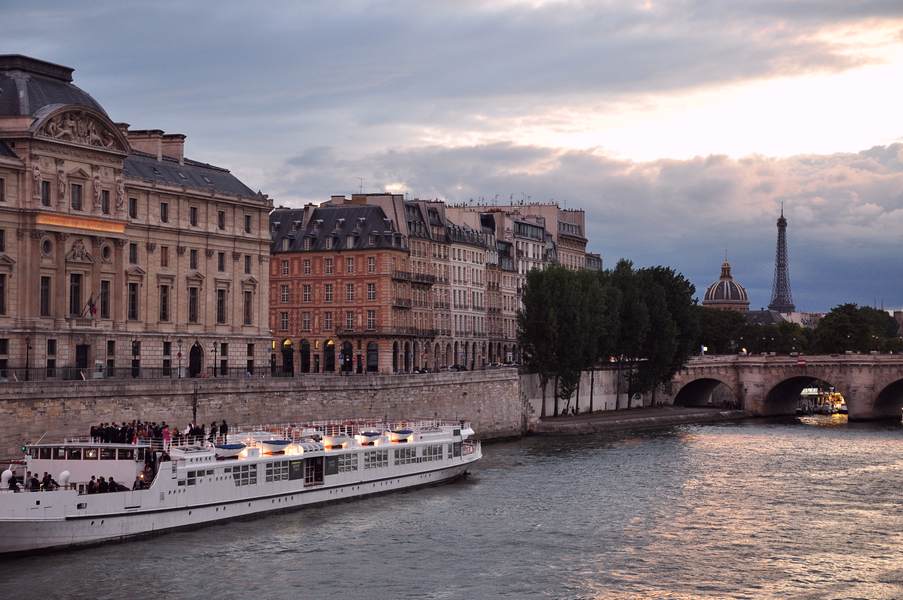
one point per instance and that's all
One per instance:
(118, 255)
(342, 292)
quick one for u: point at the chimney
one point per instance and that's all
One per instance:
(173, 146)
(337, 200)
(149, 141)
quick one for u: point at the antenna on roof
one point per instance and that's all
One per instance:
(361, 179)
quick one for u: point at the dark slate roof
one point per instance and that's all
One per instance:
(27, 85)
(192, 174)
(7, 151)
(764, 317)
(417, 226)
(463, 234)
(361, 221)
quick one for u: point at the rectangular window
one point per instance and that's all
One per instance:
(45, 193)
(404, 456)
(192, 305)
(248, 308)
(164, 303)
(349, 292)
(164, 256)
(247, 223)
(2, 189)
(220, 219)
(328, 292)
(221, 261)
(51, 347)
(2, 240)
(371, 264)
(349, 265)
(329, 243)
(4, 346)
(167, 348)
(306, 264)
(371, 320)
(327, 320)
(75, 294)
(221, 306)
(307, 243)
(133, 208)
(105, 202)
(283, 321)
(283, 293)
(45, 296)
(327, 266)
(371, 291)
(104, 299)
(192, 259)
(306, 292)
(349, 320)
(305, 321)
(376, 459)
(133, 253)
(193, 216)
(133, 302)
(284, 267)
(75, 193)
(164, 212)
(247, 264)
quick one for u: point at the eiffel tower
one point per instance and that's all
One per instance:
(781, 299)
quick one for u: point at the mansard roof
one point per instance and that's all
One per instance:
(27, 85)
(363, 223)
(191, 174)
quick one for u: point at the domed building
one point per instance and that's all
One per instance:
(726, 294)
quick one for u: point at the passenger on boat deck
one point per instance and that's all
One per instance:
(35, 484)
(27, 482)
(212, 435)
(224, 432)
(102, 486)
(139, 482)
(117, 487)
(48, 483)
(14, 483)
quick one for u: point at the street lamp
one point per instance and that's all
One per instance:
(27, 355)
(214, 359)
(180, 359)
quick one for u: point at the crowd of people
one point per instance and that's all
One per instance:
(31, 483)
(159, 435)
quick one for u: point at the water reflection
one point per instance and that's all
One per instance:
(784, 508)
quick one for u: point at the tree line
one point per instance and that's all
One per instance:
(647, 323)
(847, 327)
(643, 320)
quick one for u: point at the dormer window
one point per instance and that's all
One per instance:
(349, 241)
(284, 244)
(307, 243)
(372, 240)
(329, 243)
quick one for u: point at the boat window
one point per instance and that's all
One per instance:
(140, 454)
(374, 459)
(332, 465)
(245, 475)
(209, 471)
(191, 477)
(74, 454)
(32, 452)
(313, 471)
(432, 452)
(347, 462)
(295, 469)
(59, 453)
(450, 452)
(90, 454)
(108, 454)
(46, 453)
(457, 447)
(404, 456)
(277, 471)
(126, 454)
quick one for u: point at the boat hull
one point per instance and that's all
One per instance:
(27, 536)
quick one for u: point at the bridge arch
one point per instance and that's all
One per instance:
(707, 391)
(783, 397)
(889, 401)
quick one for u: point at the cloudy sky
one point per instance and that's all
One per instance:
(680, 127)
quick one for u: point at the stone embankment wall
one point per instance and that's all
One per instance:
(488, 399)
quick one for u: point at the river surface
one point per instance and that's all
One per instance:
(749, 510)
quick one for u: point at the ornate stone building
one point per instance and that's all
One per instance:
(118, 255)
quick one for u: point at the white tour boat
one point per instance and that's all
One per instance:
(191, 485)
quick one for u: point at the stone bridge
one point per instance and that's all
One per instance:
(770, 385)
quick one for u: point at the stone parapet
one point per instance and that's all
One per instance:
(490, 400)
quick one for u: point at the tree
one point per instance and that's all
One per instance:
(537, 325)
(849, 327)
(719, 330)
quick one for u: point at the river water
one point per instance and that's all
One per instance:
(749, 510)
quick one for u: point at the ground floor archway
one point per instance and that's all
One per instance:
(195, 360)
(372, 357)
(329, 356)
(347, 357)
